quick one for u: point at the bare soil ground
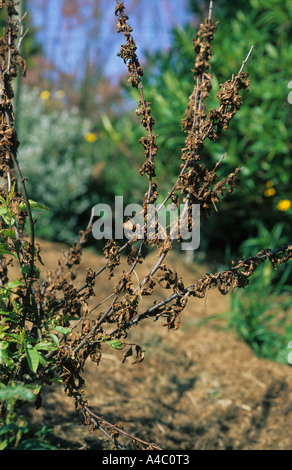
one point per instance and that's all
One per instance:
(198, 388)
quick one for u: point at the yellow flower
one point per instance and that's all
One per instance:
(270, 192)
(284, 205)
(269, 184)
(60, 94)
(90, 137)
(45, 95)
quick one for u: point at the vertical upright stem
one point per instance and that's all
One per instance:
(18, 81)
(11, 123)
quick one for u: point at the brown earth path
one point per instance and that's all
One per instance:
(198, 388)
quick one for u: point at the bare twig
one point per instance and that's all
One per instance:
(133, 438)
(262, 256)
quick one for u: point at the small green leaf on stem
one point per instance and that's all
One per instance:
(63, 330)
(33, 205)
(26, 271)
(115, 343)
(33, 358)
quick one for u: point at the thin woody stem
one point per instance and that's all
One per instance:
(16, 165)
(150, 133)
(210, 11)
(245, 60)
(119, 429)
(151, 138)
(151, 311)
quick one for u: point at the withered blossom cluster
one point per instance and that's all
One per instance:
(196, 180)
(196, 108)
(128, 50)
(129, 56)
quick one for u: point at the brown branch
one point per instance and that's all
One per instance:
(262, 256)
(149, 445)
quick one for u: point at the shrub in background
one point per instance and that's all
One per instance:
(261, 314)
(58, 155)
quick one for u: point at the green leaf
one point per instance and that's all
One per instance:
(34, 444)
(115, 343)
(4, 358)
(43, 360)
(16, 392)
(8, 428)
(7, 215)
(63, 330)
(33, 205)
(3, 444)
(33, 358)
(55, 339)
(7, 233)
(14, 338)
(26, 270)
(13, 284)
(5, 251)
(45, 346)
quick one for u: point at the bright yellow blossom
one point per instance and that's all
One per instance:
(284, 205)
(270, 192)
(45, 95)
(90, 137)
